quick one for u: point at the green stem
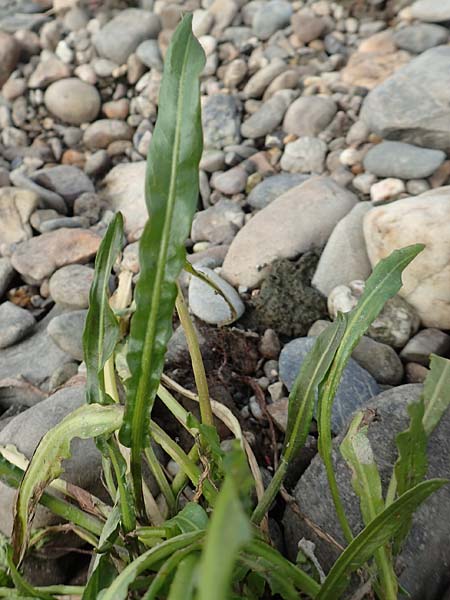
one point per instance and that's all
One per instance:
(392, 490)
(125, 497)
(161, 478)
(181, 479)
(270, 493)
(196, 358)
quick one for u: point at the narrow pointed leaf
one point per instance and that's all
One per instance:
(384, 283)
(102, 576)
(376, 534)
(182, 587)
(101, 331)
(411, 466)
(88, 421)
(172, 195)
(436, 392)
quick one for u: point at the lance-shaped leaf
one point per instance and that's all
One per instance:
(384, 283)
(182, 587)
(101, 331)
(172, 195)
(436, 392)
(376, 534)
(88, 421)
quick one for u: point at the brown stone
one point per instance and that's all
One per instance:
(9, 55)
(369, 69)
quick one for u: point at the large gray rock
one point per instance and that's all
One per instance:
(121, 36)
(412, 105)
(425, 559)
(66, 180)
(356, 388)
(395, 159)
(431, 11)
(300, 219)
(26, 430)
(420, 37)
(66, 331)
(6, 274)
(347, 240)
(15, 323)
(221, 121)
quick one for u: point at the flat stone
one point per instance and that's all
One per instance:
(73, 101)
(425, 554)
(423, 219)
(25, 432)
(230, 182)
(218, 224)
(309, 115)
(396, 159)
(6, 274)
(16, 207)
(259, 82)
(268, 117)
(370, 69)
(209, 305)
(66, 331)
(122, 35)
(41, 256)
(70, 286)
(356, 388)
(305, 155)
(67, 181)
(430, 11)
(420, 37)
(412, 105)
(105, 131)
(271, 17)
(297, 221)
(15, 323)
(124, 190)
(221, 121)
(346, 240)
(424, 343)
(272, 187)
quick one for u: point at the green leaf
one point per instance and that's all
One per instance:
(183, 583)
(383, 284)
(102, 577)
(366, 481)
(162, 577)
(376, 534)
(86, 422)
(193, 517)
(101, 331)
(411, 466)
(436, 392)
(229, 530)
(172, 195)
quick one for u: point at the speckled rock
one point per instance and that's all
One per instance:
(221, 121)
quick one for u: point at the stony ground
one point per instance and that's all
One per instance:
(327, 134)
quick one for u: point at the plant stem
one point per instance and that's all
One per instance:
(196, 358)
(181, 478)
(270, 493)
(161, 478)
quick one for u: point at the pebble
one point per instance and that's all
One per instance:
(307, 26)
(218, 224)
(15, 324)
(429, 11)
(66, 331)
(404, 161)
(290, 225)
(267, 118)
(122, 35)
(221, 121)
(104, 132)
(269, 345)
(423, 344)
(423, 219)
(271, 17)
(73, 101)
(39, 257)
(272, 187)
(149, 54)
(6, 274)
(305, 155)
(67, 181)
(386, 189)
(16, 207)
(49, 70)
(9, 55)
(415, 373)
(356, 388)
(70, 285)
(230, 182)
(420, 37)
(309, 115)
(258, 83)
(211, 306)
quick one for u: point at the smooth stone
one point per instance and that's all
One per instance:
(66, 331)
(230, 182)
(208, 304)
(70, 286)
(123, 189)
(16, 208)
(149, 54)
(386, 190)
(218, 224)
(423, 219)
(105, 131)
(297, 221)
(424, 343)
(212, 160)
(122, 35)
(309, 115)
(268, 117)
(48, 199)
(371, 69)
(73, 101)
(63, 222)
(6, 274)
(396, 159)
(380, 360)
(431, 11)
(357, 386)
(346, 240)
(9, 55)
(67, 181)
(426, 552)
(39, 257)
(260, 81)
(178, 349)
(420, 37)
(25, 432)
(32, 360)
(221, 121)
(48, 70)
(272, 187)
(271, 17)
(307, 26)
(396, 108)
(305, 155)
(15, 323)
